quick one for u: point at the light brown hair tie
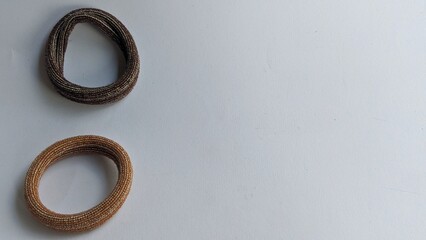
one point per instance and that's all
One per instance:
(95, 216)
(57, 45)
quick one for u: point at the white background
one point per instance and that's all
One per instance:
(285, 119)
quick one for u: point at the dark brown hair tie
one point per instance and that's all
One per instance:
(57, 45)
(95, 216)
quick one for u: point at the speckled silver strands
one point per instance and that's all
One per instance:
(57, 45)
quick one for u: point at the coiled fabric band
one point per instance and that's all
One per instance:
(95, 216)
(57, 45)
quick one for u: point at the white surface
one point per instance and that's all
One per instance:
(250, 120)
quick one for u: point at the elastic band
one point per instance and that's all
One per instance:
(57, 45)
(95, 216)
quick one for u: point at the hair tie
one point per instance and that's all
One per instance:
(95, 216)
(57, 45)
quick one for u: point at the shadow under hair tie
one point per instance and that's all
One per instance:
(95, 216)
(113, 28)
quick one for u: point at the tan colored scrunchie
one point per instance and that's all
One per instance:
(95, 216)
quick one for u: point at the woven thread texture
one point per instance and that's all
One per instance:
(57, 45)
(95, 216)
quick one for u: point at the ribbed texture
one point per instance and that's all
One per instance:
(95, 216)
(57, 45)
